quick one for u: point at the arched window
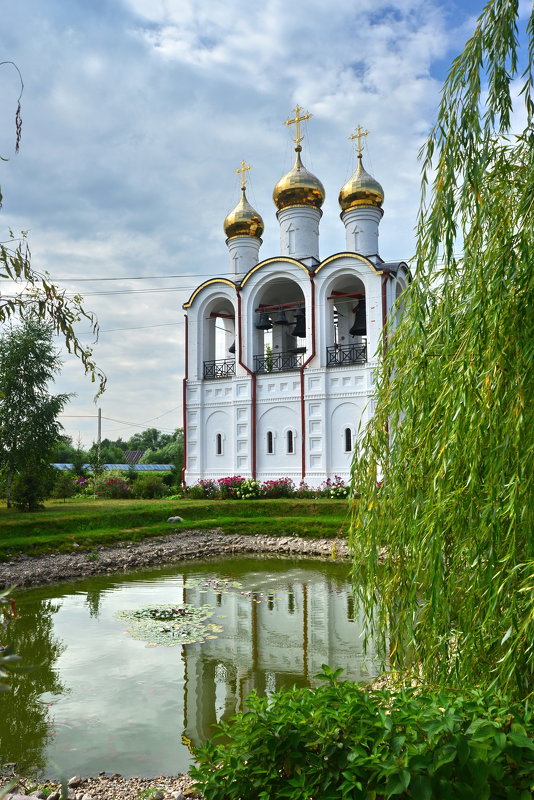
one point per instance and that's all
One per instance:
(219, 444)
(290, 442)
(270, 442)
(348, 440)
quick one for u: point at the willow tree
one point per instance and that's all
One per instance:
(443, 523)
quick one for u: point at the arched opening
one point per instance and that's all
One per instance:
(280, 327)
(219, 339)
(348, 440)
(347, 313)
(270, 442)
(218, 444)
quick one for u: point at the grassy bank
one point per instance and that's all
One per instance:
(84, 524)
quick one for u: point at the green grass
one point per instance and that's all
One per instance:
(82, 524)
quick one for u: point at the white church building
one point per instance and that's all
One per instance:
(281, 353)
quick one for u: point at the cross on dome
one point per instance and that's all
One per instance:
(297, 119)
(359, 134)
(243, 169)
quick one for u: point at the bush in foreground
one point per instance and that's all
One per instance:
(344, 741)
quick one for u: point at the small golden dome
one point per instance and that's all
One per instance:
(299, 187)
(361, 190)
(243, 220)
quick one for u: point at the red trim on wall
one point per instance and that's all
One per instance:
(302, 387)
(384, 313)
(184, 394)
(253, 387)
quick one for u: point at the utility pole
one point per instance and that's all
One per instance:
(98, 440)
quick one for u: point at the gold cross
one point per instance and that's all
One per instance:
(296, 121)
(243, 169)
(359, 135)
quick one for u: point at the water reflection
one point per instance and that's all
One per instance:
(26, 718)
(271, 639)
(120, 706)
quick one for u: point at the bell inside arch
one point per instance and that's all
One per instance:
(231, 349)
(264, 323)
(359, 326)
(300, 323)
(281, 319)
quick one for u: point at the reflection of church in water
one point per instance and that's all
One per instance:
(280, 353)
(278, 640)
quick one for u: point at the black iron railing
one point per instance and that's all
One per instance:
(222, 368)
(342, 354)
(278, 362)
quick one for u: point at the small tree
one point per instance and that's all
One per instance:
(28, 413)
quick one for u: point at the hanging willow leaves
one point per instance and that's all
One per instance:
(452, 433)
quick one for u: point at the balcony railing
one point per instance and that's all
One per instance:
(221, 368)
(342, 354)
(278, 362)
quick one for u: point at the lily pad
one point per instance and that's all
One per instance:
(170, 625)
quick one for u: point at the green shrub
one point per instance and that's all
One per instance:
(65, 485)
(345, 741)
(33, 485)
(150, 487)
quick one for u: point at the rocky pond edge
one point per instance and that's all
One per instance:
(26, 570)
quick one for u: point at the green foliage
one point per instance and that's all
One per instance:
(453, 428)
(32, 485)
(64, 485)
(149, 486)
(344, 741)
(28, 413)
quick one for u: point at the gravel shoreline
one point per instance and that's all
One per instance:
(166, 550)
(26, 571)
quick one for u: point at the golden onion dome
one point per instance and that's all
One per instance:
(361, 190)
(298, 187)
(243, 220)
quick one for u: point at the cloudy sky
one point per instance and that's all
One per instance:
(136, 114)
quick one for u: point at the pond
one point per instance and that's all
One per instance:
(103, 696)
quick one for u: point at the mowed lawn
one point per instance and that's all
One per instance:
(75, 524)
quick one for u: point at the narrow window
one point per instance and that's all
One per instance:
(270, 442)
(290, 442)
(348, 440)
(218, 444)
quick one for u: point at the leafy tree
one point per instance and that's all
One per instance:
(452, 432)
(149, 439)
(28, 413)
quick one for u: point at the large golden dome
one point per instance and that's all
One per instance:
(361, 190)
(298, 187)
(243, 220)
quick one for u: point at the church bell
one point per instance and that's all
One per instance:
(359, 327)
(231, 349)
(281, 318)
(300, 323)
(264, 323)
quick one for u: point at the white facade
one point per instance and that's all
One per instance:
(283, 405)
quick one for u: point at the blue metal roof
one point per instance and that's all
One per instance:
(125, 467)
